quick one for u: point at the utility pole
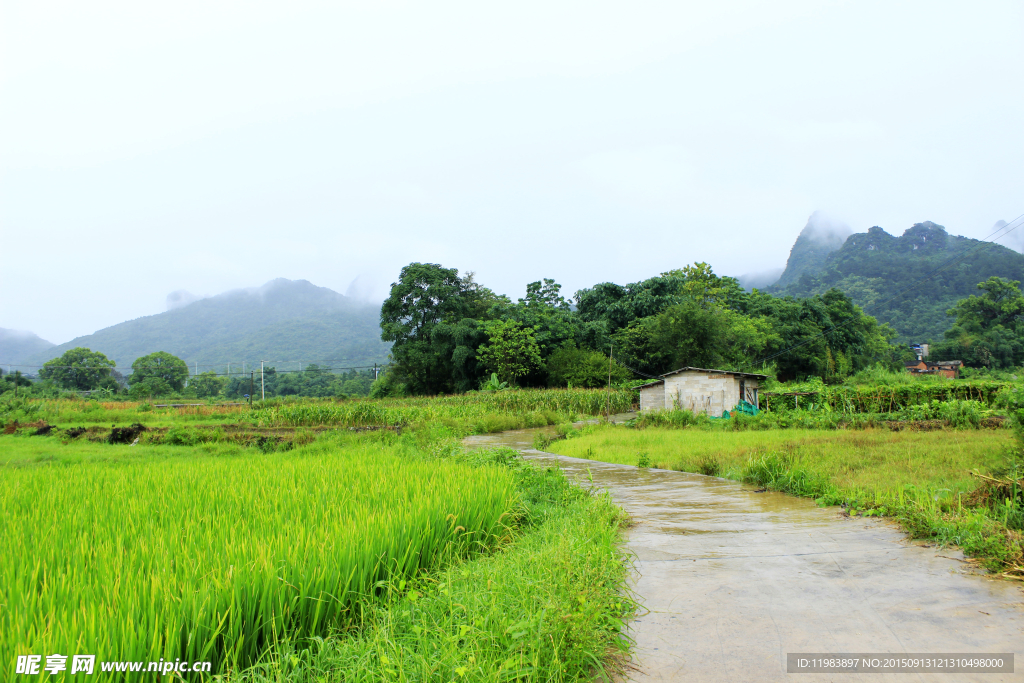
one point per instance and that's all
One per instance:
(250, 389)
(263, 385)
(608, 400)
(374, 372)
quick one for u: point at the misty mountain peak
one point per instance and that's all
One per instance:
(820, 237)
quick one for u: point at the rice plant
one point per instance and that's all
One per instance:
(219, 559)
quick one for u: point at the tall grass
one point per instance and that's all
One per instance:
(543, 405)
(477, 411)
(220, 558)
(955, 414)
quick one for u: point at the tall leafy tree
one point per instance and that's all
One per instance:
(989, 328)
(432, 317)
(693, 334)
(511, 351)
(159, 366)
(79, 369)
(619, 305)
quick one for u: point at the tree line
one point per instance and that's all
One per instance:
(452, 334)
(162, 374)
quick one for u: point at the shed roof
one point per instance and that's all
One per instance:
(721, 372)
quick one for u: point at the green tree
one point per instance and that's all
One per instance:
(78, 369)
(160, 365)
(511, 350)
(206, 384)
(583, 368)
(988, 328)
(432, 317)
(695, 335)
(149, 388)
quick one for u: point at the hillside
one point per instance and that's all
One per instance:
(875, 266)
(16, 346)
(284, 320)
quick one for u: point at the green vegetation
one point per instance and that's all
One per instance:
(926, 480)
(511, 351)
(450, 333)
(282, 546)
(157, 374)
(313, 381)
(364, 556)
(873, 267)
(478, 412)
(574, 367)
(882, 392)
(80, 369)
(988, 328)
(549, 607)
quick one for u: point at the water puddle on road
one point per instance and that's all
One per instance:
(732, 580)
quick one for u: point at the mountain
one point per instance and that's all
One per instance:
(819, 238)
(284, 320)
(17, 346)
(881, 272)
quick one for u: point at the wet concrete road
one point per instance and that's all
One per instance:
(733, 580)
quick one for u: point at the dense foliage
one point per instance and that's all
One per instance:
(988, 328)
(158, 374)
(312, 380)
(79, 369)
(451, 334)
(898, 280)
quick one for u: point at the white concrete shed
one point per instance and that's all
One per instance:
(701, 390)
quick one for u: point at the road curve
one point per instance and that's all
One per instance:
(733, 580)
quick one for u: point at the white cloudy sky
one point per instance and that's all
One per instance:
(152, 147)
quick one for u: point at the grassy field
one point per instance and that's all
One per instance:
(478, 412)
(385, 555)
(923, 479)
(868, 460)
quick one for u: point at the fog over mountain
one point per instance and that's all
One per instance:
(820, 237)
(18, 345)
(283, 321)
(760, 279)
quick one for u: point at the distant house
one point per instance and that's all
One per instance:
(946, 368)
(700, 390)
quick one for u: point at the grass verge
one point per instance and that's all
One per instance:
(550, 606)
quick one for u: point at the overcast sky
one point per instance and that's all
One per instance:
(203, 146)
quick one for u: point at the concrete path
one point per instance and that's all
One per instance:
(733, 580)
